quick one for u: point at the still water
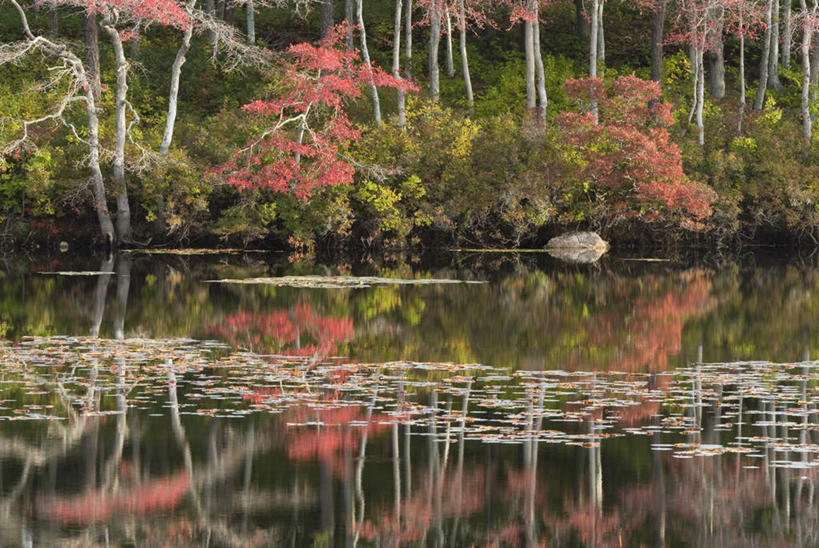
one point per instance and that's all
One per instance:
(485, 400)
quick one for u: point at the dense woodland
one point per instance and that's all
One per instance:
(437, 122)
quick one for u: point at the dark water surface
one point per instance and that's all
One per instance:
(628, 403)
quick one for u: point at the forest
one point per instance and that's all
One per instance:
(322, 124)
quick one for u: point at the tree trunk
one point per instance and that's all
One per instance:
(230, 14)
(787, 34)
(657, 24)
(541, 75)
(349, 15)
(741, 70)
(759, 101)
(326, 16)
(53, 22)
(470, 100)
(531, 92)
(92, 54)
(396, 62)
(700, 97)
(814, 65)
(807, 34)
(408, 39)
(210, 9)
(601, 40)
(593, 43)
(121, 189)
(173, 95)
(450, 64)
(717, 59)
(365, 55)
(581, 23)
(250, 17)
(773, 54)
(434, 44)
(100, 202)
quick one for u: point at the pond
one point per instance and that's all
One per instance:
(241, 399)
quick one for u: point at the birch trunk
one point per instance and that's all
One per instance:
(173, 96)
(470, 100)
(365, 55)
(123, 209)
(531, 93)
(807, 34)
(593, 43)
(541, 76)
(601, 40)
(773, 53)
(396, 62)
(434, 44)
(700, 97)
(450, 64)
(787, 35)
(717, 59)
(742, 99)
(250, 17)
(759, 101)
(210, 9)
(92, 54)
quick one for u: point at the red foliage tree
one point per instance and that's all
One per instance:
(628, 161)
(308, 129)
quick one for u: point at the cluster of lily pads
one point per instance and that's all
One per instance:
(762, 410)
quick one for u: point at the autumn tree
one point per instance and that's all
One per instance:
(629, 167)
(308, 130)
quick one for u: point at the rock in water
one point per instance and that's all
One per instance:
(577, 247)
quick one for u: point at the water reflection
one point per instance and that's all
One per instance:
(293, 429)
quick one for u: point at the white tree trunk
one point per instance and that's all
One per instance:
(759, 101)
(601, 39)
(251, 22)
(434, 44)
(807, 34)
(213, 40)
(742, 98)
(173, 96)
(450, 64)
(531, 93)
(541, 76)
(700, 97)
(773, 54)
(396, 62)
(365, 55)
(470, 100)
(121, 189)
(787, 34)
(593, 45)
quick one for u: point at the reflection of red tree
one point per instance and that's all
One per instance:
(282, 331)
(337, 432)
(459, 497)
(96, 506)
(653, 330)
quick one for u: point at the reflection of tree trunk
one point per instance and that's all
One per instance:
(123, 286)
(113, 463)
(100, 293)
(459, 471)
(658, 481)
